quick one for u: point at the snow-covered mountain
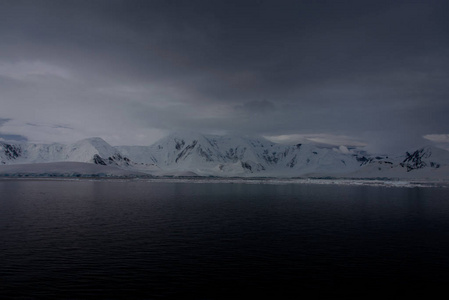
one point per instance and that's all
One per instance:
(239, 156)
(427, 162)
(92, 150)
(227, 156)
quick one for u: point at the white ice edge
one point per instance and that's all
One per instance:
(340, 182)
(382, 183)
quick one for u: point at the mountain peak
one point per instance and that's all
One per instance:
(185, 152)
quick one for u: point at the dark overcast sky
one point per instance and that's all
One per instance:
(342, 72)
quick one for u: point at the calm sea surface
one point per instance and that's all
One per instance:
(136, 239)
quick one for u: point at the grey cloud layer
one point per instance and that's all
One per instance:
(356, 68)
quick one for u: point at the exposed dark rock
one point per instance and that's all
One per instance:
(185, 152)
(98, 160)
(207, 154)
(179, 144)
(11, 151)
(252, 166)
(434, 165)
(247, 166)
(293, 162)
(270, 158)
(363, 160)
(414, 160)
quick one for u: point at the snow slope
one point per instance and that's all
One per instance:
(425, 163)
(64, 169)
(92, 150)
(239, 156)
(231, 156)
(87, 150)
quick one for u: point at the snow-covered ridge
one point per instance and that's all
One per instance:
(238, 156)
(92, 150)
(233, 156)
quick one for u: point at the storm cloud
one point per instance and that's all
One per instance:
(375, 72)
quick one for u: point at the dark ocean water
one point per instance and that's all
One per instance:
(135, 239)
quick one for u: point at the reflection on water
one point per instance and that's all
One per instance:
(136, 239)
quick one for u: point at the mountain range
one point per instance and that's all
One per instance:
(193, 154)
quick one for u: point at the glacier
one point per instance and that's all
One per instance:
(193, 154)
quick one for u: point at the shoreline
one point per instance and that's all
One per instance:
(394, 182)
